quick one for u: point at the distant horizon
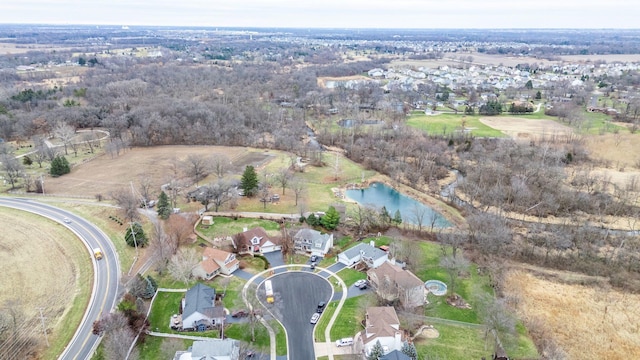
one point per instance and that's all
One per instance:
(312, 28)
(328, 14)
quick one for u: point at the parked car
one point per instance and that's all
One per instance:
(314, 258)
(314, 318)
(321, 306)
(344, 342)
(359, 283)
(240, 313)
(313, 265)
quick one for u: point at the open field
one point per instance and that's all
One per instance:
(620, 150)
(444, 124)
(104, 174)
(523, 128)
(32, 248)
(587, 322)
(322, 81)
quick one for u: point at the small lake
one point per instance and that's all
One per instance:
(379, 195)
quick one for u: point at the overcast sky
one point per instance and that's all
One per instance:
(329, 13)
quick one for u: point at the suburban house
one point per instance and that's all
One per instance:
(391, 282)
(214, 262)
(381, 324)
(213, 349)
(255, 241)
(198, 309)
(313, 242)
(366, 253)
(395, 355)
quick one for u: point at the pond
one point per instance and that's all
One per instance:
(349, 123)
(379, 195)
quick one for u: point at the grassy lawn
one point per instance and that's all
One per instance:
(224, 226)
(164, 305)
(524, 347)
(597, 123)
(350, 276)
(448, 123)
(281, 338)
(324, 321)
(242, 332)
(348, 322)
(454, 342)
(161, 348)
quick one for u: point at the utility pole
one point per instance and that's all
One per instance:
(42, 183)
(44, 328)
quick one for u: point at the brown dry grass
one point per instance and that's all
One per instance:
(523, 129)
(587, 322)
(104, 174)
(621, 150)
(44, 265)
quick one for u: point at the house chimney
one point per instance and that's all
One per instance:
(244, 229)
(372, 243)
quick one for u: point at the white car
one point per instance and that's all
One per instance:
(314, 318)
(359, 283)
(67, 220)
(344, 342)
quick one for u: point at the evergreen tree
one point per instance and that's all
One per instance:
(27, 160)
(249, 181)
(409, 350)
(397, 218)
(538, 95)
(59, 166)
(376, 352)
(529, 85)
(331, 219)
(164, 209)
(312, 220)
(135, 236)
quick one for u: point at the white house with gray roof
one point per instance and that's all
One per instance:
(313, 242)
(366, 253)
(212, 349)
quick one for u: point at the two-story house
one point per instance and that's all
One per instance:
(391, 282)
(313, 242)
(381, 324)
(211, 349)
(255, 241)
(214, 262)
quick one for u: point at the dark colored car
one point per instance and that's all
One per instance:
(321, 306)
(240, 313)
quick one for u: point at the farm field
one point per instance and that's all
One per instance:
(587, 322)
(450, 123)
(524, 128)
(45, 247)
(104, 174)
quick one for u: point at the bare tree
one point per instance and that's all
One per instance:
(217, 193)
(182, 263)
(145, 186)
(264, 194)
(65, 133)
(419, 214)
(88, 138)
(283, 177)
(128, 204)
(220, 164)
(454, 266)
(197, 167)
(298, 186)
(162, 247)
(40, 153)
(179, 229)
(12, 168)
(116, 344)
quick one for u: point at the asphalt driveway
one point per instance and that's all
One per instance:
(275, 259)
(297, 298)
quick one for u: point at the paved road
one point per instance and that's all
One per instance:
(106, 272)
(297, 297)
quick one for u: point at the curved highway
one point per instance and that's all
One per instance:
(106, 272)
